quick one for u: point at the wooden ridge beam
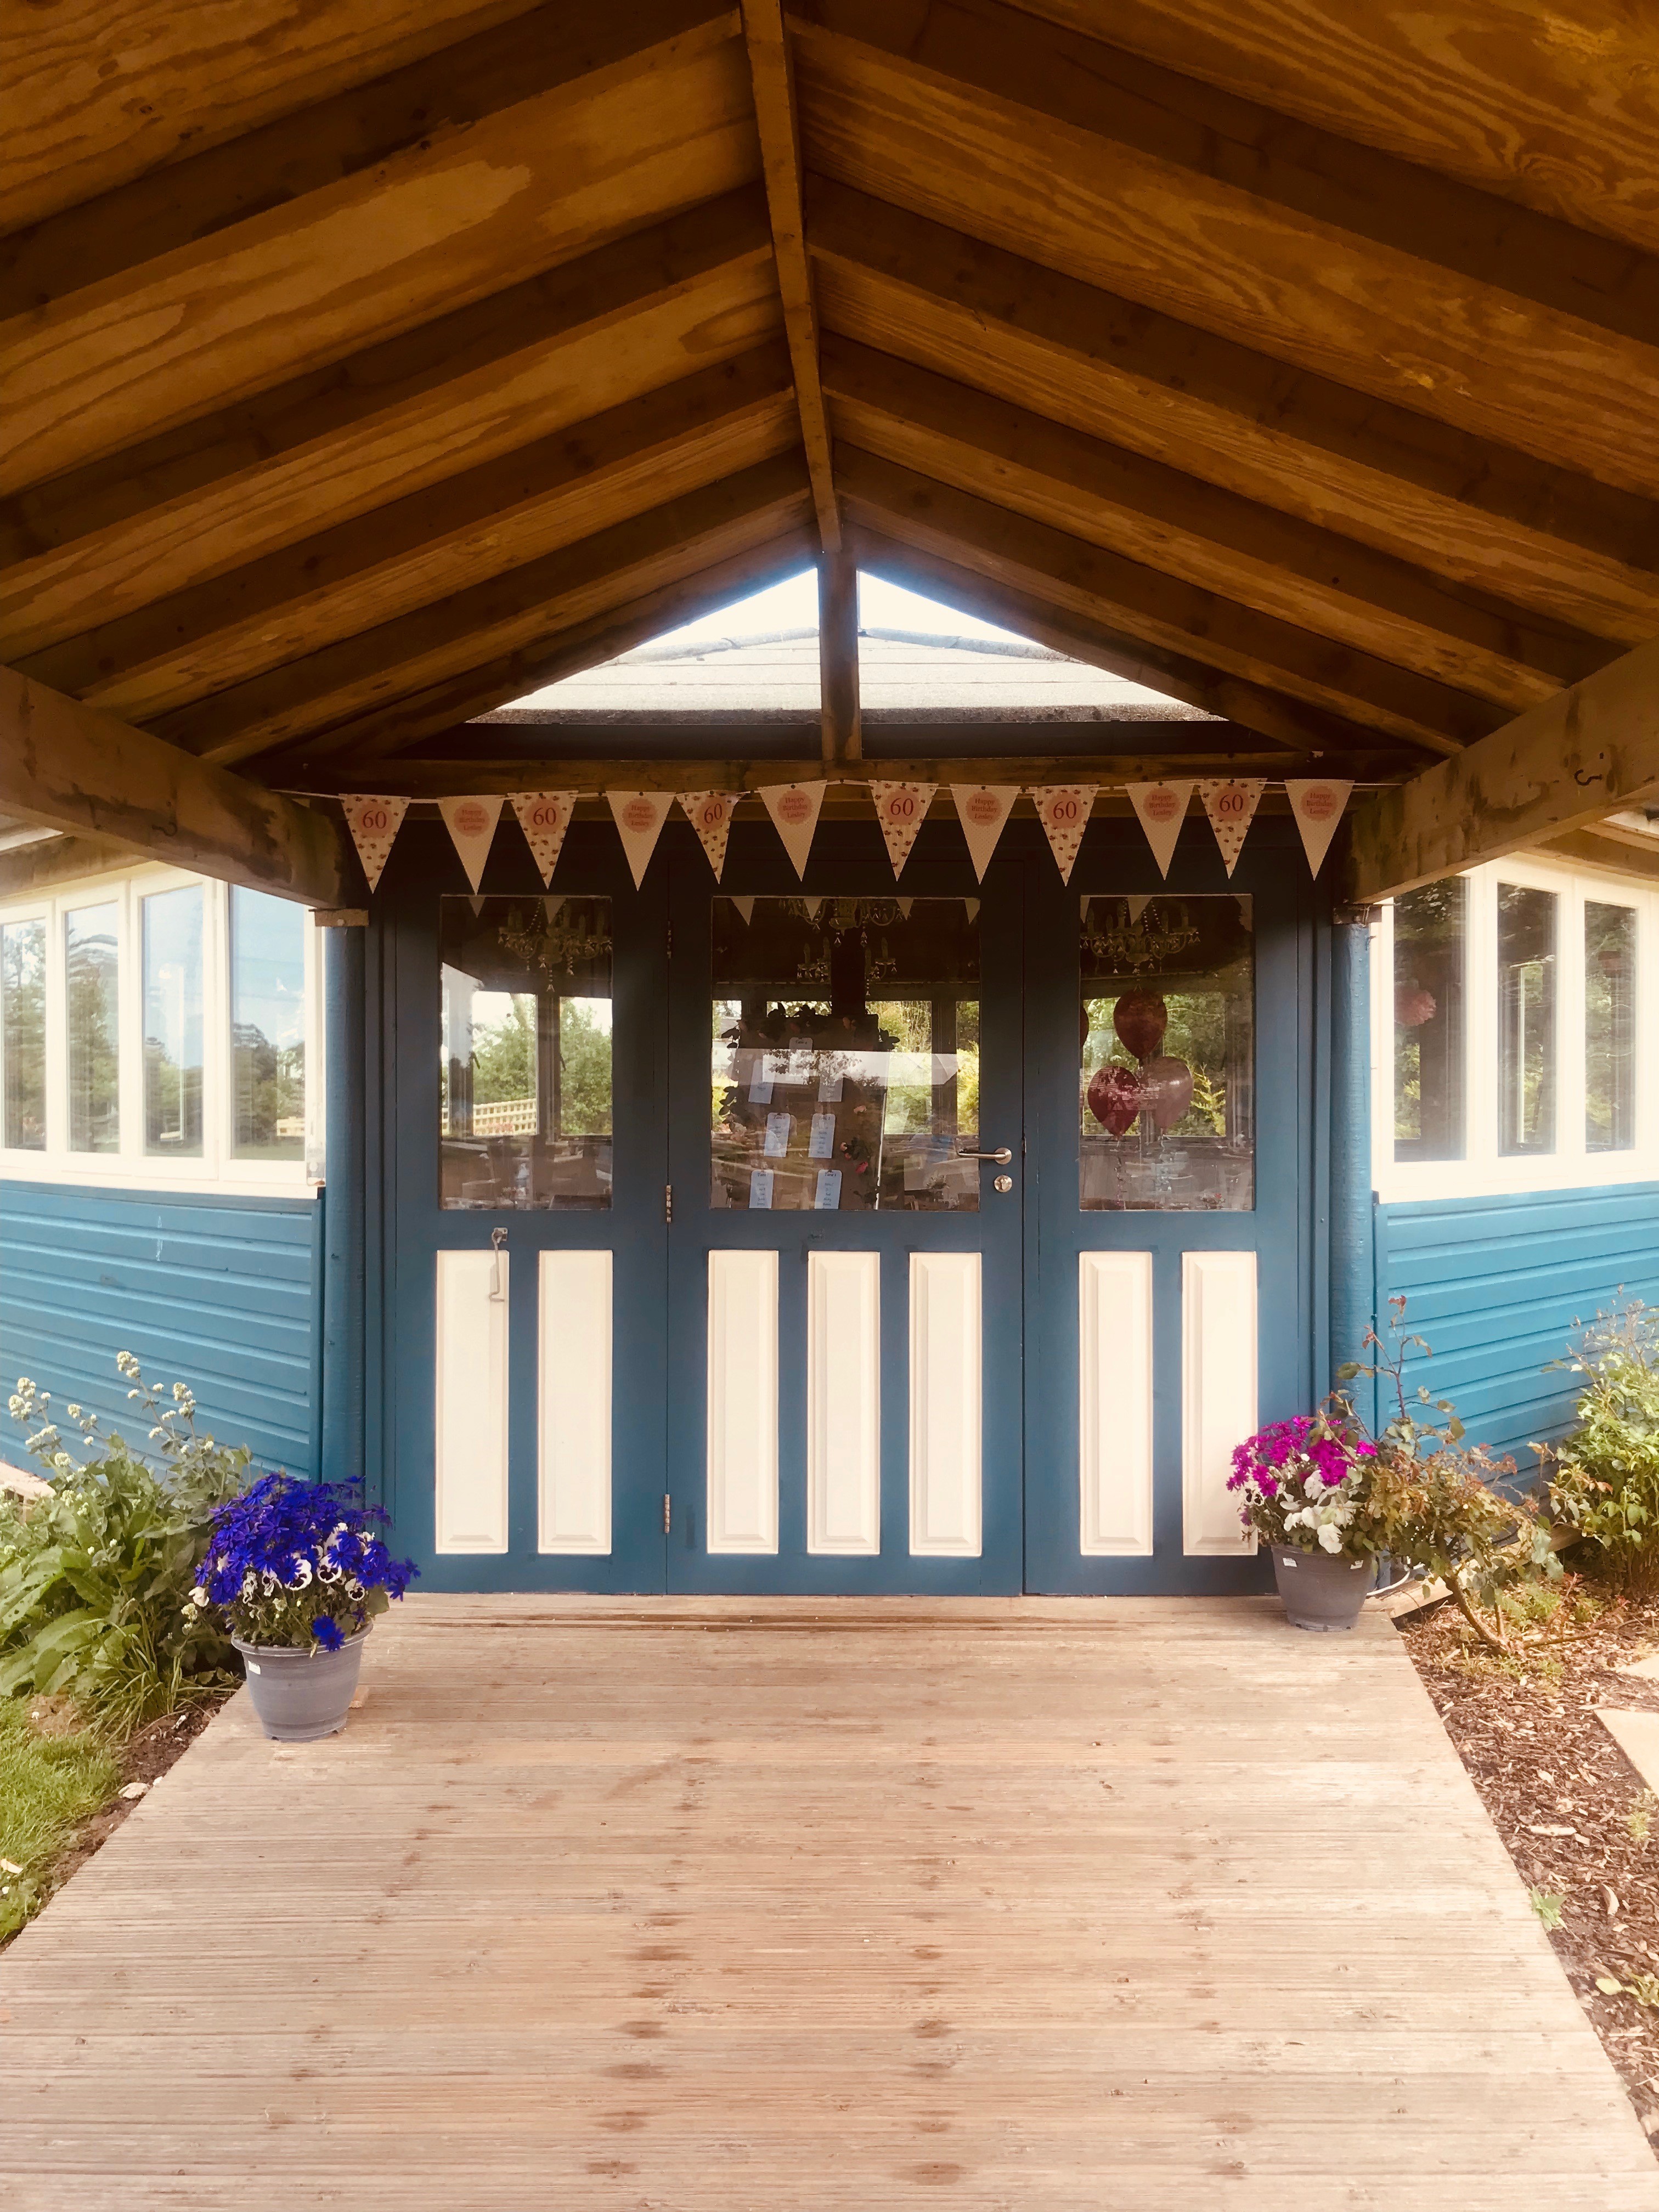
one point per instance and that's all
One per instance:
(429, 544)
(1127, 597)
(1522, 532)
(244, 481)
(838, 656)
(773, 92)
(434, 228)
(1178, 524)
(497, 617)
(71, 768)
(1554, 770)
(1052, 145)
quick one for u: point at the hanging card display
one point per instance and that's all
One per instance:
(1063, 810)
(1317, 803)
(472, 826)
(373, 823)
(1232, 808)
(794, 810)
(1162, 809)
(982, 808)
(900, 809)
(639, 816)
(709, 813)
(544, 816)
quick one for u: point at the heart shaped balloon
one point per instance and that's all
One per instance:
(1114, 1098)
(1167, 1084)
(1140, 1018)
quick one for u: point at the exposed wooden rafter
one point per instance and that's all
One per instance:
(838, 655)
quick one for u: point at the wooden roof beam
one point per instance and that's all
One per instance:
(838, 655)
(771, 76)
(1557, 768)
(71, 768)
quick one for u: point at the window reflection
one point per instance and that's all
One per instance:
(173, 1023)
(525, 1079)
(845, 1058)
(1609, 1027)
(267, 1027)
(23, 1034)
(1526, 1019)
(92, 978)
(1429, 927)
(1167, 1095)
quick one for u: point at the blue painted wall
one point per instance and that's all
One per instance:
(1496, 1285)
(219, 1292)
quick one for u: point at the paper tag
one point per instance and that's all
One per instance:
(760, 1189)
(1317, 805)
(1063, 809)
(982, 808)
(900, 809)
(826, 1199)
(779, 1129)
(830, 1089)
(1232, 808)
(544, 816)
(639, 816)
(709, 813)
(759, 1082)
(794, 809)
(472, 826)
(373, 823)
(822, 1144)
(1162, 808)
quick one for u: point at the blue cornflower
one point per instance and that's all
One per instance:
(327, 1632)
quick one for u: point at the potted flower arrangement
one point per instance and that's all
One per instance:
(297, 1573)
(1304, 1485)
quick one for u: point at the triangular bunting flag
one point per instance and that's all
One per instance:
(1162, 808)
(373, 823)
(746, 908)
(1137, 908)
(544, 816)
(1063, 811)
(709, 813)
(1317, 803)
(972, 906)
(793, 808)
(982, 809)
(550, 907)
(1231, 807)
(472, 825)
(900, 809)
(904, 906)
(639, 816)
(814, 908)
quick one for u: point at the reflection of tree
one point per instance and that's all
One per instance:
(23, 1008)
(504, 1063)
(172, 1100)
(269, 1086)
(94, 1067)
(1609, 1026)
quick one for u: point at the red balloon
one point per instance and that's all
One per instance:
(1114, 1098)
(1168, 1085)
(1140, 1018)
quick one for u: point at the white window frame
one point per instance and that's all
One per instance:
(1484, 1171)
(216, 1171)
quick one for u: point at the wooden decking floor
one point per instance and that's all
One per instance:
(1103, 1904)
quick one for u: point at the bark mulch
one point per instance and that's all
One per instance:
(1581, 1827)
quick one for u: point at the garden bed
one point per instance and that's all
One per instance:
(1578, 1821)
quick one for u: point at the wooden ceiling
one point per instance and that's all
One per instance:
(367, 365)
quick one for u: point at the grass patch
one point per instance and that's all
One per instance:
(50, 1785)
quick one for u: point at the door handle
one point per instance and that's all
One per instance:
(498, 1281)
(1001, 1156)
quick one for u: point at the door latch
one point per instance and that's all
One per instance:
(668, 1203)
(498, 1286)
(667, 1515)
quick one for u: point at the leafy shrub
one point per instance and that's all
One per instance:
(297, 1564)
(1604, 1485)
(95, 1579)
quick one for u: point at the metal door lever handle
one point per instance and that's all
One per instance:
(1001, 1156)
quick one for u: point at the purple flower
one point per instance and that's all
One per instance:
(327, 1632)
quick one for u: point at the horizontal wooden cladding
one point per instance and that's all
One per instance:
(201, 195)
(498, 617)
(1478, 514)
(1579, 756)
(100, 92)
(1137, 601)
(1210, 537)
(432, 543)
(1304, 732)
(72, 768)
(1560, 112)
(240, 484)
(425, 233)
(939, 140)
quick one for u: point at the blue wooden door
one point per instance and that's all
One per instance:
(845, 1377)
(1168, 1207)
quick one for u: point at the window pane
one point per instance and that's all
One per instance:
(1166, 1107)
(1526, 1019)
(845, 1055)
(267, 1027)
(23, 1033)
(525, 1077)
(1429, 928)
(92, 976)
(1609, 1028)
(173, 1023)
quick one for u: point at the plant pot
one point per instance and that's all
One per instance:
(301, 1695)
(1322, 1590)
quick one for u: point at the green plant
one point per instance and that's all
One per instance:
(95, 1579)
(1549, 1905)
(49, 1784)
(1605, 1483)
(1639, 1819)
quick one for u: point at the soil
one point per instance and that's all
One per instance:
(1578, 1821)
(144, 1758)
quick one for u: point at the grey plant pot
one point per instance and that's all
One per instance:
(302, 1695)
(1322, 1590)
